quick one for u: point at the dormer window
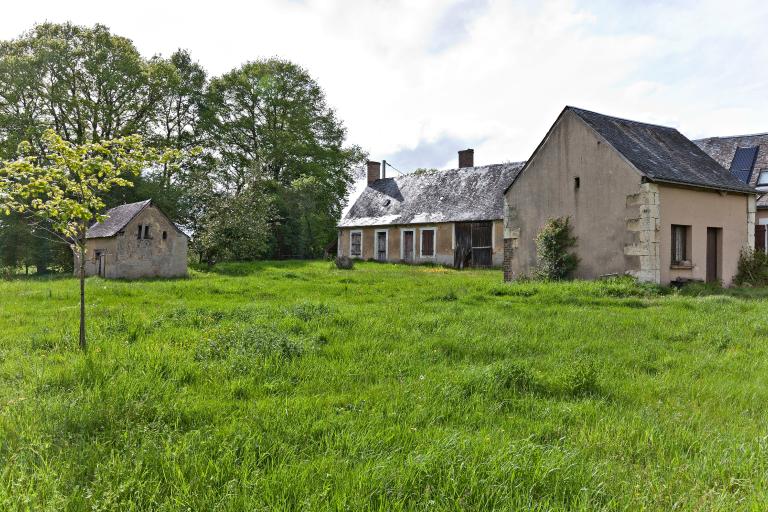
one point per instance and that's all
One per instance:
(762, 179)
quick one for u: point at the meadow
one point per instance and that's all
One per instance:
(298, 386)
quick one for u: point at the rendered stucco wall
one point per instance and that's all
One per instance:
(599, 208)
(128, 257)
(701, 209)
(444, 242)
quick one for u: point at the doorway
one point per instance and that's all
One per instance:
(714, 236)
(100, 263)
(381, 245)
(474, 244)
(408, 245)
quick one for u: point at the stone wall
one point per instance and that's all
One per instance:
(645, 227)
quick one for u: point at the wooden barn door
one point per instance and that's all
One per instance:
(462, 254)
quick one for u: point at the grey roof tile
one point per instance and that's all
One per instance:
(456, 195)
(722, 149)
(117, 218)
(662, 153)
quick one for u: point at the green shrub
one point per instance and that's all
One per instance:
(752, 269)
(512, 376)
(553, 244)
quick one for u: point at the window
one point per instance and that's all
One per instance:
(141, 228)
(165, 235)
(680, 243)
(762, 179)
(576, 182)
(146, 232)
(356, 244)
(427, 242)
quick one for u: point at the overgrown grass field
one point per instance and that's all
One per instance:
(278, 386)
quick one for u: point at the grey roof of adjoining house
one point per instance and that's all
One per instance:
(661, 153)
(723, 149)
(456, 195)
(117, 218)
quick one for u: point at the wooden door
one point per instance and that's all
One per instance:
(408, 245)
(381, 246)
(760, 237)
(462, 254)
(713, 246)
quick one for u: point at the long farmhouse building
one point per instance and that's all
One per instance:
(452, 217)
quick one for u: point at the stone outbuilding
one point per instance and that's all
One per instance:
(135, 240)
(643, 200)
(451, 217)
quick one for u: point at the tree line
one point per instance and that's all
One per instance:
(272, 173)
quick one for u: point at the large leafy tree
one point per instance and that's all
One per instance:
(271, 128)
(64, 188)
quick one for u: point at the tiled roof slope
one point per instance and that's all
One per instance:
(117, 219)
(661, 153)
(467, 194)
(722, 149)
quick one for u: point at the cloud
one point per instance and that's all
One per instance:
(417, 81)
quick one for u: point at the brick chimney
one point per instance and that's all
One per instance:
(467, 158)
(374, 171)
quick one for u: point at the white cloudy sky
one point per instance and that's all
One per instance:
(416, 80)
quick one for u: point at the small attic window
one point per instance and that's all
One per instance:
(165, 235)
(576, 182)
(387, 202)
(141, 230)
(146, 232)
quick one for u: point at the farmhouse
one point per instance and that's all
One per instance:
(746, 156)
(643, 200)
(135, 240)
(452, 217)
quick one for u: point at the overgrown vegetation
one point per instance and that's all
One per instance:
(752, 268)
(289, 386)
(553, 250)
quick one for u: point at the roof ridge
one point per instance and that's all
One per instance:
(453, 169)
(623, 119)
(731, 136)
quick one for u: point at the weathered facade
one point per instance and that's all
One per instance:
(746, 156)
(452, 217)
(643, 200)
(136, 240)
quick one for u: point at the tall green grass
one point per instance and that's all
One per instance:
(299, 386)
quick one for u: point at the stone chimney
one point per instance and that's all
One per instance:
(374, 171)
(467, 158)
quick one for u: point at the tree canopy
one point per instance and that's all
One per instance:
(274, 150)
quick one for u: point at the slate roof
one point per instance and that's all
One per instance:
(722, 149)
(661, 153)
(456, 195)
(117, 219)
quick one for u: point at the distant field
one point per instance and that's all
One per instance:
(297, 386)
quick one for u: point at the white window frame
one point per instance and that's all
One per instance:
(402, 242)
(434, 242)
(376, 242)
(361, 243)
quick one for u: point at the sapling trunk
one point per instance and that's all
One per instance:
(82, 298)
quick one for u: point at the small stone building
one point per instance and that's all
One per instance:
(452, 217)
(746, 156)
(643, 200)
(135, 240)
